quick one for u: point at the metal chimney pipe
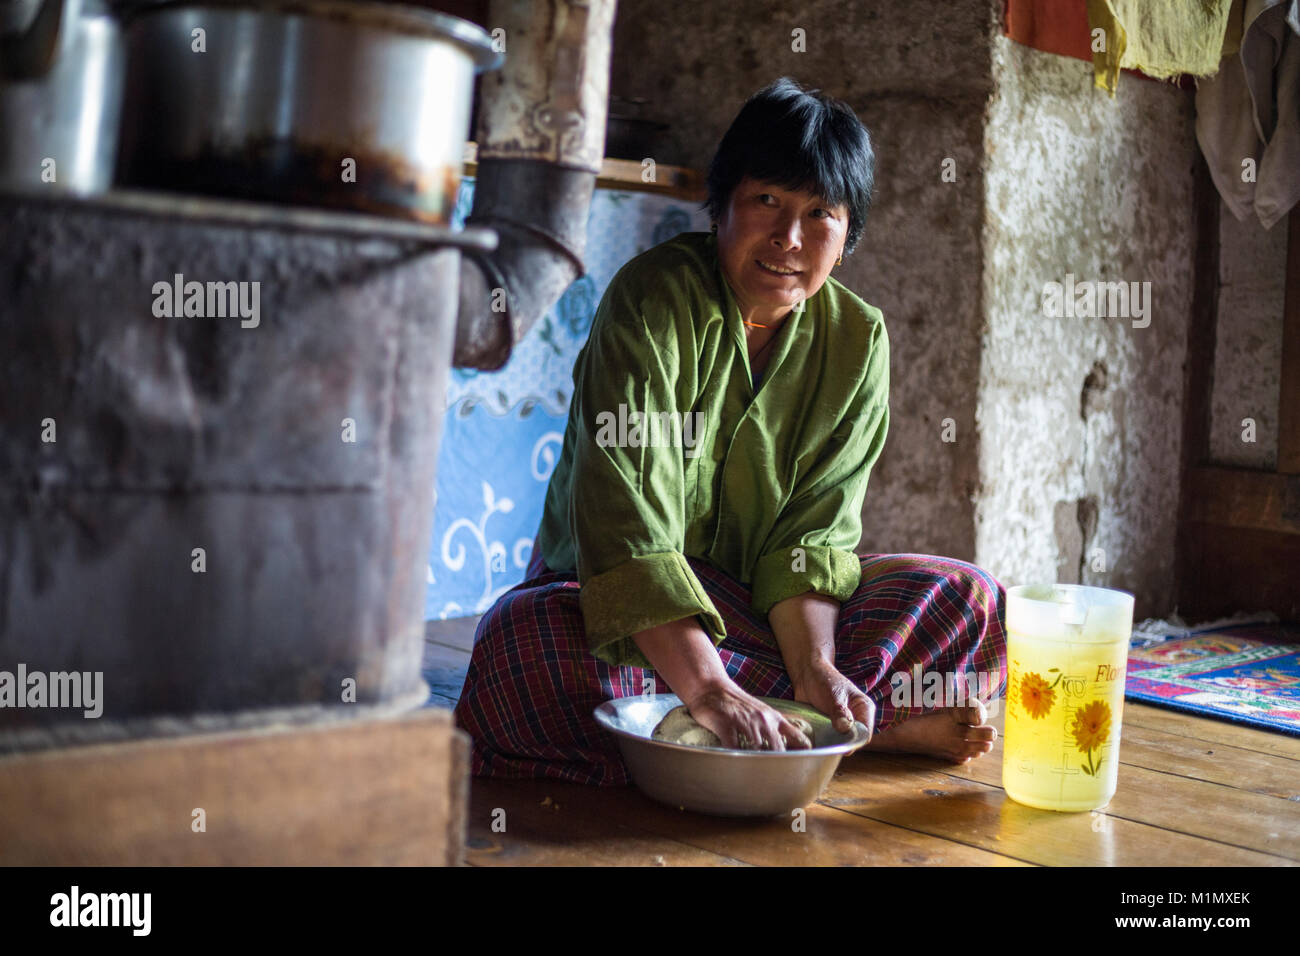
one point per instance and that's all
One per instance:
(541, 138)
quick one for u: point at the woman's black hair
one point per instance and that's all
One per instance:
(797, 139)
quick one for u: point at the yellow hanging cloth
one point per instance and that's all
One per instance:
(1161, 39)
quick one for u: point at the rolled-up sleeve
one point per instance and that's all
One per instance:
(628, 501)
(811, 546)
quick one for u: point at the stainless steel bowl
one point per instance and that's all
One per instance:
(733, 783)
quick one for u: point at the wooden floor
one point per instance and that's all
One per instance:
(1191, 791)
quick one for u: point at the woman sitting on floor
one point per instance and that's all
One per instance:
(699, 528)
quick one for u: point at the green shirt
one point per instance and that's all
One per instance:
(767, 487)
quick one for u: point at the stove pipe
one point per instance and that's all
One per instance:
(541, 135)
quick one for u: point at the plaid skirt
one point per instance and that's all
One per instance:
(532, 686)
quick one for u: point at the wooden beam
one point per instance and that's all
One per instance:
(1239, 569)
(1288, 407)
(1198, 369)
(1244, 498)
(374, 792)
(680, 182)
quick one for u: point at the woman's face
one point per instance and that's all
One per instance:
(766, 227)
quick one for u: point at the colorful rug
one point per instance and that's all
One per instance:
(1246, 674)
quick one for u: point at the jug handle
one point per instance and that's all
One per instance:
(30, 31)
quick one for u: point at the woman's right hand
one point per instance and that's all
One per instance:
(742, 721)
(684, 656)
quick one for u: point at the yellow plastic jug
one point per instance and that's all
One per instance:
(1067, 651)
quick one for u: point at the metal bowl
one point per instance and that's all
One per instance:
(720, 781)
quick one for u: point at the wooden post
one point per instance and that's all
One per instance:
(1288, 404)
(1198, 380)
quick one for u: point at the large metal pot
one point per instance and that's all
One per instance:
(61, 68)
(308, 102)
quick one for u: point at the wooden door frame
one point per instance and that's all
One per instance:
(1238, 537)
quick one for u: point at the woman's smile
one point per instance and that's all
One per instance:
(774, 268)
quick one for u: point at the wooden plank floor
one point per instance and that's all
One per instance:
(1192, 791)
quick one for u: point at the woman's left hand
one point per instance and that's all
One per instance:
(826, 689)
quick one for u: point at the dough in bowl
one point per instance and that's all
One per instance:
(679, 727)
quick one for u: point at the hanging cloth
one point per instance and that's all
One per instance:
(1248, 114)
(1162, 40)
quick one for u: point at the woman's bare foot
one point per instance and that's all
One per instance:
(951, 733)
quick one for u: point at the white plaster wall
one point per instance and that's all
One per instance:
(1079, 183)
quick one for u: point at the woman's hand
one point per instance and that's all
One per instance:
(744, 722)
(686, 659)
(825, 688)
(804, 627)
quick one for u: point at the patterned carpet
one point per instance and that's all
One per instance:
(1245, 674)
